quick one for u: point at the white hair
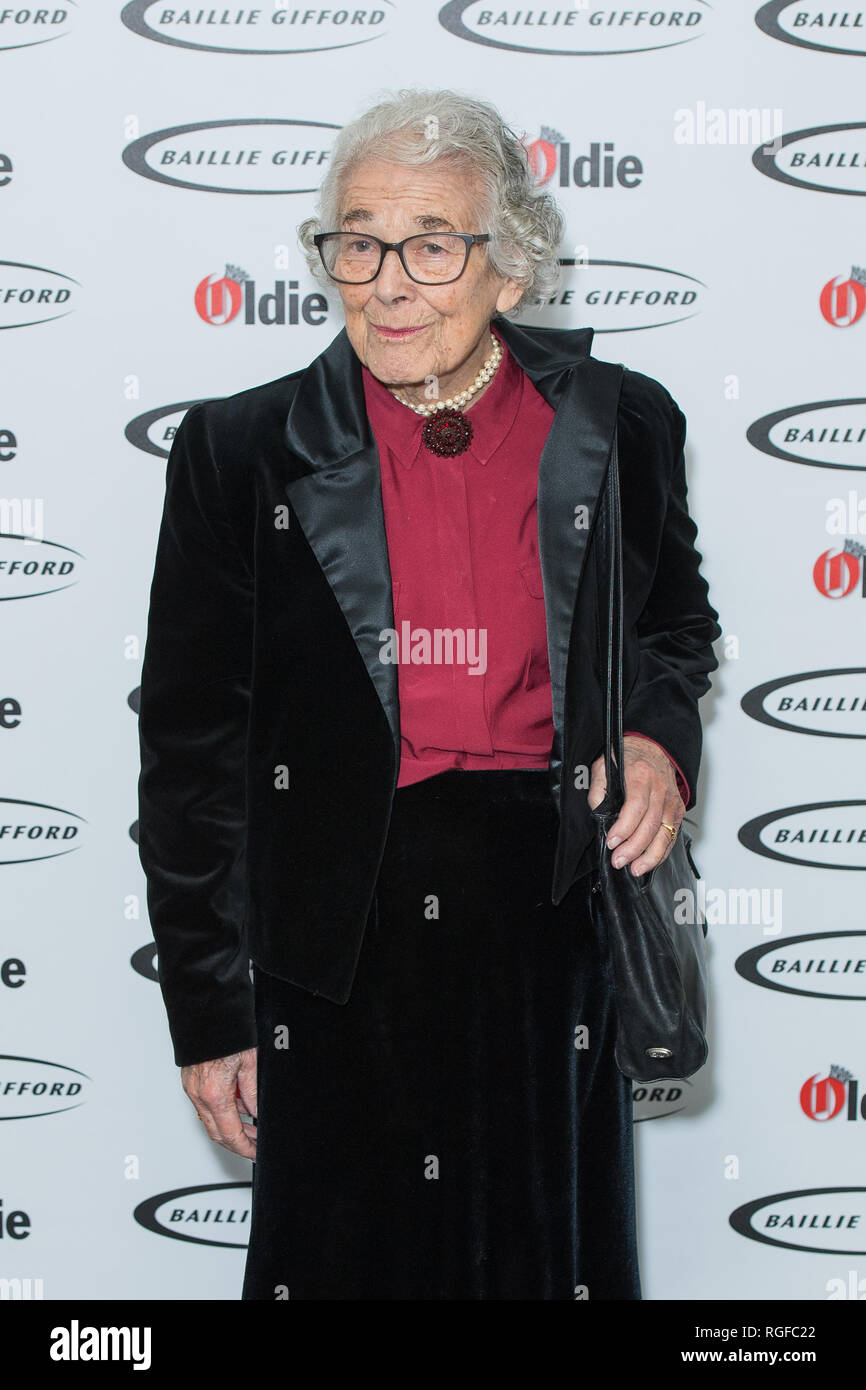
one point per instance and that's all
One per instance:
(418, 127)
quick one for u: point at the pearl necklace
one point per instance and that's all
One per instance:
(447, 431)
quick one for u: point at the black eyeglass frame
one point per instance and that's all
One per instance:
(469, 239)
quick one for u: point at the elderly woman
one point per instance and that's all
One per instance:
(371, 727)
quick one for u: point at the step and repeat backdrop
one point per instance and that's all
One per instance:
(155, 162)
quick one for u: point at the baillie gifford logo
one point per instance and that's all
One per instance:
(216, 1213)
(260, 156)
(817, 834)
(234, 297)
(31, 294)
(819, 965)
(260, 31)
(25, 26)
(824, 1097)
(822, 434)
(820, 1220)
(823, 159)
(622, 296)
(153, 431)
(830, 704)
(828, 31)
(576, 31)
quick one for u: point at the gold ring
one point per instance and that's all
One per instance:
(671, 829)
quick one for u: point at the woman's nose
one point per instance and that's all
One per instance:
(392, 279)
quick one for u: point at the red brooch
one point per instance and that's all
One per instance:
(447, 432)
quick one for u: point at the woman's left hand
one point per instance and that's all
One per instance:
(638, 836)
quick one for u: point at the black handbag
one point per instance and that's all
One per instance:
(654, 931)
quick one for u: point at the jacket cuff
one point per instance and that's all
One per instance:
(682, 784)
(211, 1046)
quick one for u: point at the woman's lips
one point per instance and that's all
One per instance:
(398, 332)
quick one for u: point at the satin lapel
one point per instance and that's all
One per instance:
(338, 504)
(338, 499)
(571, 476)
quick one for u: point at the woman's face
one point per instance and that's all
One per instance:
(404, 332)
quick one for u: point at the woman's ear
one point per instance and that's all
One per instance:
(508, 296)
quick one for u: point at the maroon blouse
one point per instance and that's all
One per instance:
(470, 637)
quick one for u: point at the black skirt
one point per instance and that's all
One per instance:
(458, 1129)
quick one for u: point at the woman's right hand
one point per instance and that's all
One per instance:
(222, 1091)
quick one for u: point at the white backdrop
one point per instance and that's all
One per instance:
(111, 218)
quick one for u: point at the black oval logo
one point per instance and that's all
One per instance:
(31, 295)
(259, 32)
(769, 16)
(27, 838)
(187, 1213)
(144, 962)
(842, 695)
(830, 444)
(31, 1088)
(254, 156)
(25, 574)
(823, 155)
(834, 827)
(625, 296)
(36, 21)
(596, 31)
(833, 973)
(821, 1220)
(138, 431)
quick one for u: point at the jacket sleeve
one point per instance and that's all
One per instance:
(675, 632)
(195, 692)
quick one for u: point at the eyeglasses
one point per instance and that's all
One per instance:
(429, 259)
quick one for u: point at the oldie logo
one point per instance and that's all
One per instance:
(823, 1096)
(842, 300)
(824, 158)
(600, 165)
(31, 831)
(830, 703)
(829, 31)
(838, 573)
(820, 835)
(246, 156)
(216, 1213)
(623, 296)
(822, 1220)
(825, 434)
(575, 32)
(823, 965)
(236, 298)
(154, 430)
(258, 31)
(30, 1088)
(31, 294)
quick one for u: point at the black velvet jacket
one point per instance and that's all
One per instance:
(271, 587)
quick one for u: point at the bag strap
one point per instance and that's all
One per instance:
(611, 538)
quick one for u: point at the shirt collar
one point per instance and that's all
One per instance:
(492, 416)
